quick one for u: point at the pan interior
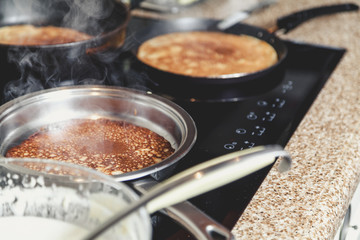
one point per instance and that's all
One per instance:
(224, 88)
(157, 28)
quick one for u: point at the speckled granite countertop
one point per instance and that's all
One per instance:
(310, 201)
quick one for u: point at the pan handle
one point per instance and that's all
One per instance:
(190, 217)
(289, 22)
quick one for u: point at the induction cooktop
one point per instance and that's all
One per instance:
(224, 127)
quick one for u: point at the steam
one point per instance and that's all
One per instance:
(94, 8)
(38, 68)
(84, 15)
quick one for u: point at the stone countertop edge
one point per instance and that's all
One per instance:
(310, 201)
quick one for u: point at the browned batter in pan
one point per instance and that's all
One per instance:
(112, 147)
(206, 54)
(31, 35)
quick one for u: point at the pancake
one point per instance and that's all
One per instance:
(30, 35)
(207, 54)
(112, 147)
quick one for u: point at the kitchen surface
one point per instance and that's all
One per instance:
(311, 200)
(306, 101)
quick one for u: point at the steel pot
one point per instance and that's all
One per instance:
(23, 116)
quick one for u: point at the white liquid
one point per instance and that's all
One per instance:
(97, 207)
(36, 228)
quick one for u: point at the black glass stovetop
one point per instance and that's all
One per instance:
(224, 127)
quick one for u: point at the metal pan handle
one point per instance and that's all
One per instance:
(289, 22)
(190, 217)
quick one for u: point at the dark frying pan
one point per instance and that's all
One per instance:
(229, 87)
(31, 68)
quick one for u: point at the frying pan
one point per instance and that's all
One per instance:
(31, 68)
(230, 87)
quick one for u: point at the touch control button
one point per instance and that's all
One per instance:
(240, 131)
(251, 116)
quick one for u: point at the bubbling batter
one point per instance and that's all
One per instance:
(112, 147)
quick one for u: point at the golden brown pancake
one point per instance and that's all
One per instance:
(113, 147)
(207, 54)
(30, 35)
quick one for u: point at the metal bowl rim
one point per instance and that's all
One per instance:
(188, 139)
